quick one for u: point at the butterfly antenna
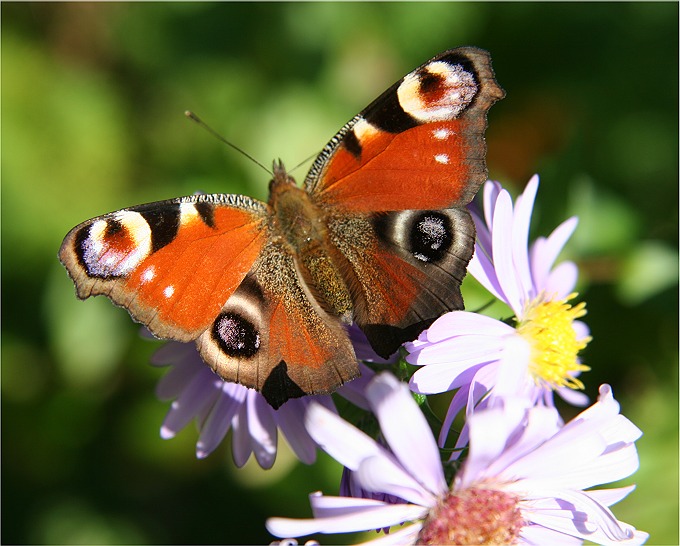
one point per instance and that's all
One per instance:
(195, 118)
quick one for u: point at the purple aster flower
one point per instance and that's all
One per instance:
(487, 359)
(523, 483)
(217, 406)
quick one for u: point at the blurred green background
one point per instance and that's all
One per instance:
(92, 121)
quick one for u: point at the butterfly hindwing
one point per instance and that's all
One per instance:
(172, 264)
(409, 266)
(272, 335)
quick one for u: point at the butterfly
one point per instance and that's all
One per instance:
(378, 235)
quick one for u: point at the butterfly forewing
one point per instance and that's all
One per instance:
(172, 264)
(420, 145)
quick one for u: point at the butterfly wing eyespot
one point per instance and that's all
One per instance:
(171, 264)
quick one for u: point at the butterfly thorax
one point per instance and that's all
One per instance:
(295, 218)
(300, 226)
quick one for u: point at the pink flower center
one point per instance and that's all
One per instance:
(473, 516)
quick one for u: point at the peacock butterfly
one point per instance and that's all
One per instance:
(379, 235)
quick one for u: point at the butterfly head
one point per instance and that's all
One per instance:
(281, 178)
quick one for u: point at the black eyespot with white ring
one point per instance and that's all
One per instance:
(237, 329)
(427, 235)
(236, 336)
(430, 236)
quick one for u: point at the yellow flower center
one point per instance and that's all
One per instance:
(548, 327)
